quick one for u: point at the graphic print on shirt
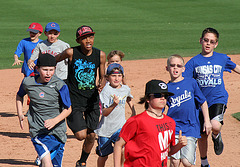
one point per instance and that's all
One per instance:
(84, 74)
(177, 101)
(209, 75)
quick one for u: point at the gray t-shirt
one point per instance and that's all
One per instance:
(44, 105)
(108, 125)
(54, 49)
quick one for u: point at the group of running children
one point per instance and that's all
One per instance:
(60, 82)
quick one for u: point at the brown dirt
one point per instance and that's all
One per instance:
(17, 149)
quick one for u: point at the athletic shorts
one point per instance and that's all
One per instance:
(84, 117)
(105, 146)
(45, 144)
(216, 112)
(188, 151)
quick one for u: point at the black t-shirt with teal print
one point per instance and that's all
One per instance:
(82, 72)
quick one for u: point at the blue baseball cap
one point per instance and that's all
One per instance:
(52, 26)
(111, 67)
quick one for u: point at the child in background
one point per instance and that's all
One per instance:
(207, 68)
(26, 46)
(182, 107)
(53, 46)
(147, 137)
(50, 105)
(113, 98)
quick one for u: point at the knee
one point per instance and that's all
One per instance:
(174, 162)
(91, 137)
(186, 163)
(80, 135)
(216, 126)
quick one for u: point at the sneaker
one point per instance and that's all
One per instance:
(218, 144)
(38, 161)
(80, 164)
(205, 165)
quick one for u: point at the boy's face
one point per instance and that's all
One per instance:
(157, 102)
(208, 42)
(52, 35)
(45, 73)
(34, 36)
(86, 42)
(115, 59)
(115, 80)
(175, 68)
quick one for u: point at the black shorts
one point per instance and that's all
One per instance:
(216, 112)
(84, 117)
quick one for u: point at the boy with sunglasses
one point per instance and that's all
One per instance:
(148, 136)
(182, 107)
(207, 68)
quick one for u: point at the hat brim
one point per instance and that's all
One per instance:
(34, 31)
(86, 34)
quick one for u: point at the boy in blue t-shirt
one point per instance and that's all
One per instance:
(207, 68)
(183, 108)
(27, 46)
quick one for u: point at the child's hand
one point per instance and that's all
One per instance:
(17, 62)
(115, 100)
(21, 118)
(50, 123)
(182, 139)
(207, 127)
(31, 64)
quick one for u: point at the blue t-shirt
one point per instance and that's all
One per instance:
(26, 46)
(183, 106)
(208, 71)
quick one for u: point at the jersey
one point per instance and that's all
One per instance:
(47, 101)
(182, 106)
(53, 49)
(26, 46)
(82, 73)
(108, 125)
(208, 71)
(147, 140)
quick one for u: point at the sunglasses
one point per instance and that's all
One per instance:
(159, 95)
(211, 41)
(174, 65)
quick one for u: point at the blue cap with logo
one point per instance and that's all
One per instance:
(52, 26)
(111, 67)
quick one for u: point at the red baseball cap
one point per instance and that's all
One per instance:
(84, 30)
(35, 27)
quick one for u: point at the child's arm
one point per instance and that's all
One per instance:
(107, 111)
(50, 123)
(34, 57)
(117, 154)
(237, 69)
(66, 54)
(207, 124)
(131, 105)
(16, 60)
(182, 142)
(102, 80)
(19, 105)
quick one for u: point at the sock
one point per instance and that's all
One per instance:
(215, 136)
(204, 161)
(84, 156)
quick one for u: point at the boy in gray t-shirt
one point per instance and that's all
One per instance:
(113, 98)
(49, 106)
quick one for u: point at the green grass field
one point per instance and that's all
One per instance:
(142, 29)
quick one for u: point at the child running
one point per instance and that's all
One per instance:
(182, 107)
(207, 68)
(113, 98)
(147, 137)
(49, 106)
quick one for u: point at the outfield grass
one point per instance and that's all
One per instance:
(142, 29)
(236, 115)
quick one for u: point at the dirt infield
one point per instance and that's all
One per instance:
(17, 149)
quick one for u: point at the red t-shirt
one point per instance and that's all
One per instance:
(148, 140)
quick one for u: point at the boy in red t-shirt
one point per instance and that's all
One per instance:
(147, 137)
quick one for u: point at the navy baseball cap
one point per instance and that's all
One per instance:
(157, 86)
(46, 60)
(52, 26)
(111, 67)
(35, 28)
(84, 30)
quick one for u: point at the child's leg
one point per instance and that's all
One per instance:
(46, 161)
(174, 162)
(188, 153)
(57, 155)
(101, 161)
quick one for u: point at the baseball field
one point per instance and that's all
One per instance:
(147, 31)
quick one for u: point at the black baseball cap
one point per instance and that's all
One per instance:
(46, 60)
(84, 30)
(157, 86)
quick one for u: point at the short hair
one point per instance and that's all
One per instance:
(116, 52)
(174, 56)
(210, 30)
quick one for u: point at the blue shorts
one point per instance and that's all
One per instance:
(45, 144)
(105, 146)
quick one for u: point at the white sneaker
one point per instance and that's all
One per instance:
(38, 161)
